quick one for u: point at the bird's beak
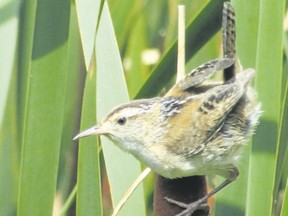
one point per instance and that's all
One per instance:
(95, 130)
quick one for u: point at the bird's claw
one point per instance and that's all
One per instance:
(190, 208)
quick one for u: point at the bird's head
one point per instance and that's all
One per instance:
(126, 124)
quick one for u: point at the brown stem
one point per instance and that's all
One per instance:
(185, 190)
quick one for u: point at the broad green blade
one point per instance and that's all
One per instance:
(44, 108)
(247, 14)
(89, 201)
(268, 83)
(67, 172)
(73, 101)
(88, 12)
(122, 169)
(198, 32)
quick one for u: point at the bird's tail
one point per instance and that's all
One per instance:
(229, 31)
(229, 40)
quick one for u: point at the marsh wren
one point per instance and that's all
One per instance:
(197, 128)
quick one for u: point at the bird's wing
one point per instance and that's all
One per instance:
(207, 111)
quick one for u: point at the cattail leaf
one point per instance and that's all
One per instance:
(44, 106)
(122, 169)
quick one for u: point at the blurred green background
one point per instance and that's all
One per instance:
(64, 64)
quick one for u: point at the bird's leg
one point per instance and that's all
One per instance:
(191, 207)
(199, 204)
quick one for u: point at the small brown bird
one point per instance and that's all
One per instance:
(197, 128)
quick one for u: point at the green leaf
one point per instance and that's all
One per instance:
(9, 154)
(44, 108)
(88, 13)
(89, 201)
(73, 102)
(268, 84)
(9, 157)
(26, 36)
(122, 169)
(8, 36)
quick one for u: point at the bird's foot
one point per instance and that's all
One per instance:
(190, 208)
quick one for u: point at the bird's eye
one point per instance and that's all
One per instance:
(121, 120)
